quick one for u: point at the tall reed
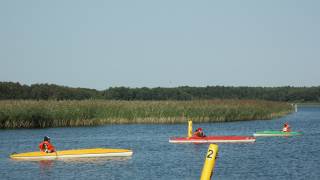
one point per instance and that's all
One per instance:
(43, 114)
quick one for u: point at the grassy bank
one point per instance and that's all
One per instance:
(43, 114)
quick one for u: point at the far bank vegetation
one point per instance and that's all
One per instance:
(71, 113)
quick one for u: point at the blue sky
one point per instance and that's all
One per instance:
(168, 43)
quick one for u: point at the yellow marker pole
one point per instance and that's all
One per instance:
(189, 128)
(208, 166)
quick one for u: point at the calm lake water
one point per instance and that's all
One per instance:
(155, 158)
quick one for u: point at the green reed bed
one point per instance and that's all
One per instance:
(43, 114)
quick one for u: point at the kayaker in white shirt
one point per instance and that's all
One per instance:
(286, 128)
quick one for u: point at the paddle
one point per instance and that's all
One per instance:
(56, 153)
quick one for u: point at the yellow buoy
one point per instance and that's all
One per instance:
(189, 128)
(209, 163)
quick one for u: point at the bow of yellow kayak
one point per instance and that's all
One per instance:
(77, 153)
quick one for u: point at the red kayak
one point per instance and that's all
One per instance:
(213, 139)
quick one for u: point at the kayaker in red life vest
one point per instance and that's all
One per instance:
(46, 145)
(199, 133)
(286, 128)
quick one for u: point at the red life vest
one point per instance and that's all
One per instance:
(199, 133)
(46, 146)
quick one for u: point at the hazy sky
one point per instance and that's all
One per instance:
(167, 43)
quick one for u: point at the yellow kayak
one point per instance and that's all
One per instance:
(79, 153)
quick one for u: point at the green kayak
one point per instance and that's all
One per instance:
(276, 133)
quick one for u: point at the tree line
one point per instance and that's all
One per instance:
(14, 90)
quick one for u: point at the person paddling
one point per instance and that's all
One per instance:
(199, 133)
(286, 128)
(46, 145)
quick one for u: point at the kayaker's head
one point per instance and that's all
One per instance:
(199, 129)
(46, 138)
